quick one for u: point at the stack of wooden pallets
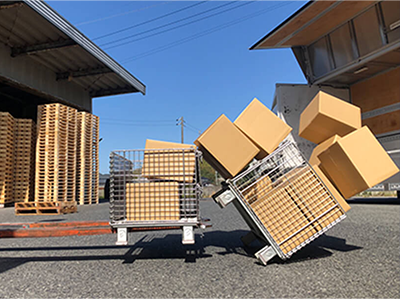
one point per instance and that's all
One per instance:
(87, 162)
(24, 159)
(6, 158)
(55, 176)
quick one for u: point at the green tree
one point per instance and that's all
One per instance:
(207, 171)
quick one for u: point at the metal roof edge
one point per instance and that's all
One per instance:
(287, 20)
(67, 28)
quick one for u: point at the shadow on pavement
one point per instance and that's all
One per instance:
(318, 249)
(375, 200)
(152, 247)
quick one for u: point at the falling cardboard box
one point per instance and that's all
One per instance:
(226, 148)
(315, 162)
(262, 127)
(169, 161)
(327, 116)
(356, 162)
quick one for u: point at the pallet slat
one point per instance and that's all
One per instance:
(87, 164)
(24, 159)
(56, 153)
(7, 124)
(46, 208)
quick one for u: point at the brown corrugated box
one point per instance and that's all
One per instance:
(326, 116)
(312, 197)
(226, 148)
(356, 162)
(176, 164)
(280, 214)
(263, 127)
(336, 194)
(320, 148)
(152, 201)
(257, 189)
(315, 162)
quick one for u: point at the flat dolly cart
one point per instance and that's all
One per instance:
(284, 202)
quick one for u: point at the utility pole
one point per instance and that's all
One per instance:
(181, 122)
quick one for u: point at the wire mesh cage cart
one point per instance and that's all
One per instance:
(283, 201)
(155, 188)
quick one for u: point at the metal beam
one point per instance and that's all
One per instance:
(359, 62)
(83, 73)
(9, 4)
(45, 47)
(107, 92)
(308, 23)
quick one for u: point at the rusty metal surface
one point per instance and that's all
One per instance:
(63, 229)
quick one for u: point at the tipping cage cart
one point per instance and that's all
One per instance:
(155, 188)
(284, 202)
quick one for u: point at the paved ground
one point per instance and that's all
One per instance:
(357, 258)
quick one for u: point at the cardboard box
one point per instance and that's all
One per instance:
(336, 194)
(326, 116)
(320, 148)
(315, 162)
(226, 148)
(282, 217)
(356, 162)
(257, 189)
(262, 127)
(172, 162)
(152, 201)
(311, 196)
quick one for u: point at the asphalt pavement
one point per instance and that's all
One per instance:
(359, 257)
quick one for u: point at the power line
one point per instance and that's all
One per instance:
(203, 33)
(148, 21)
(195, 131)
(121, 14)
(137, 125)
(176, 27)
(137, 121)
(189, 125)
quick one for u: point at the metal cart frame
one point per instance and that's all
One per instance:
(280, 165)
(165, 169)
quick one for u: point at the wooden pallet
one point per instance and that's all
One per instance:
(87, 166)
(7, 124)
(56, 153)
(45, 208)
(24, 156)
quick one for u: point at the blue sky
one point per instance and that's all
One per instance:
(199, 80)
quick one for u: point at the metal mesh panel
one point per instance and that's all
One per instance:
(288, 199)
(154, 185)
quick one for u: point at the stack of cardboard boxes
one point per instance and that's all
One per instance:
(294, 206)
(348, 157)
(170, 172)
(347, 160)
(229, 147)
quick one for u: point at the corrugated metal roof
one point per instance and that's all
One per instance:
(32, 28)
(311, 21)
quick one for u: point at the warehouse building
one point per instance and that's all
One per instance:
(51, 149)
(44, 59)
(351, 50)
